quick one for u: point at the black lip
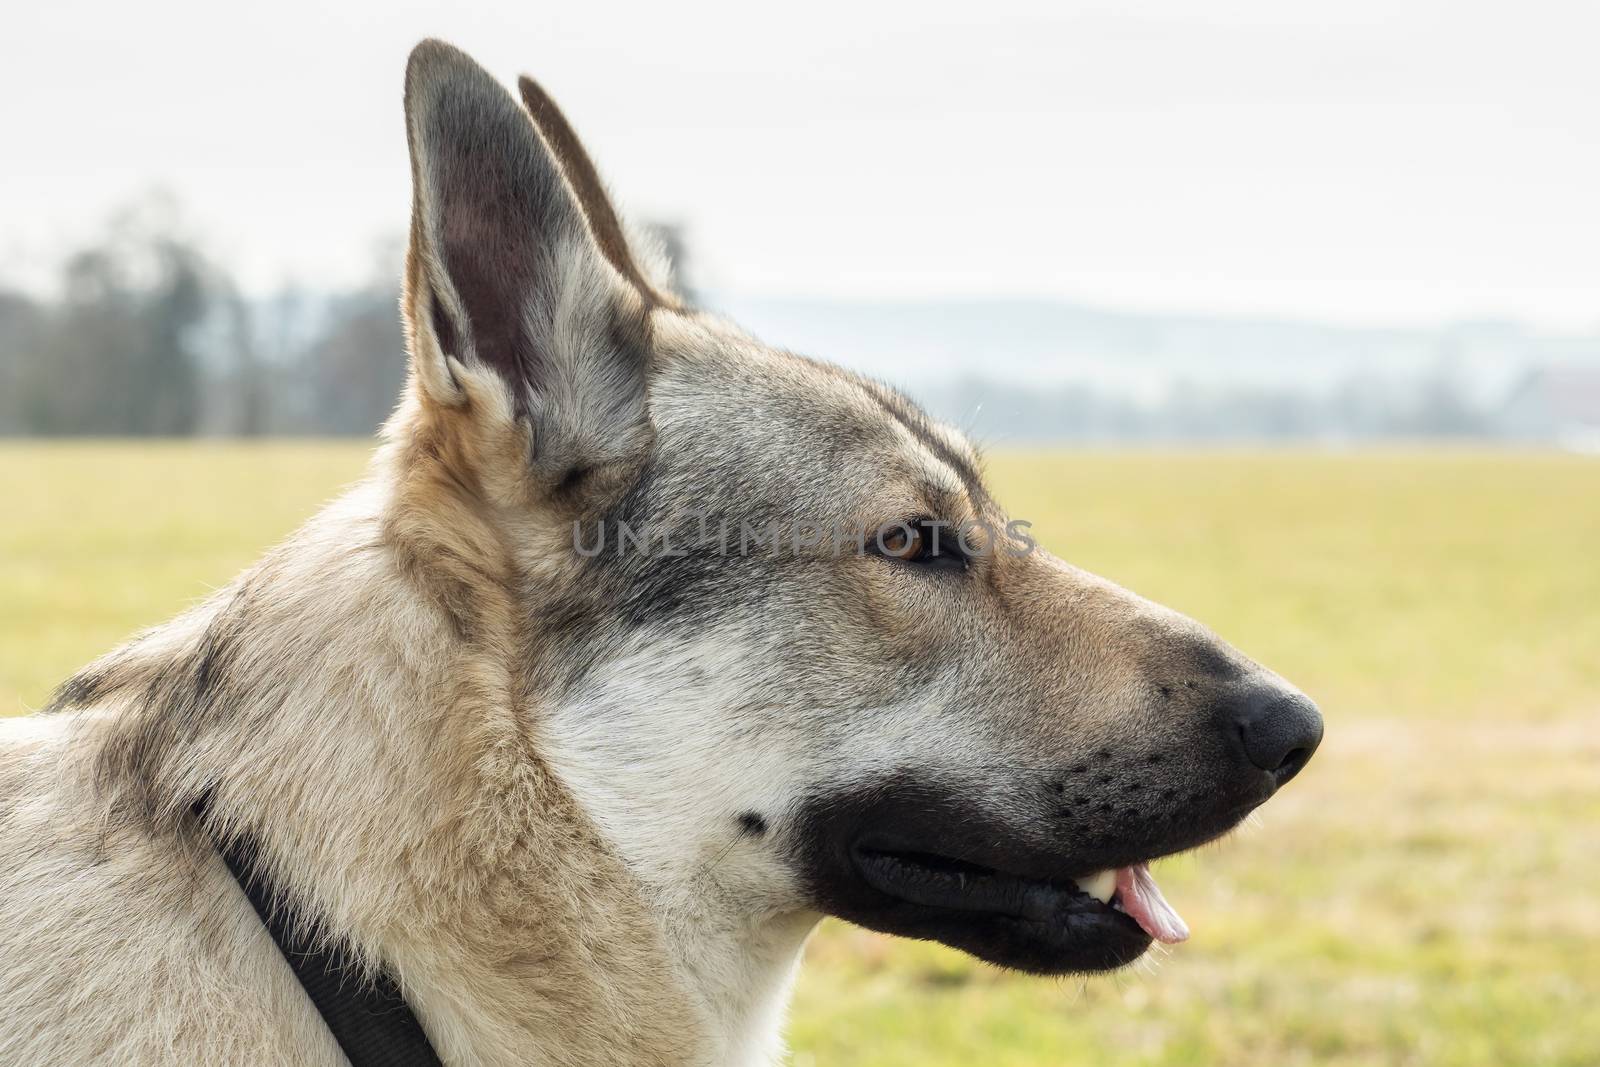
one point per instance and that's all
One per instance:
(933, 881)
(1038, 925)
(1029, 868)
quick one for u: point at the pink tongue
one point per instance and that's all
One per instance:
(1140, 897)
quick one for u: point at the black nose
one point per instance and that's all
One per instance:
(1279, 730)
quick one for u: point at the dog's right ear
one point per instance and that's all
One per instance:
(524, 336)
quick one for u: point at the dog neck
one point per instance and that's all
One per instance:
(381, 751)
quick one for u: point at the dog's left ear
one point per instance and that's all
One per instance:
(524, 334)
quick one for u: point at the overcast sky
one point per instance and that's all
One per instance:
(1399, 161)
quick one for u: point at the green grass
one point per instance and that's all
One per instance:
(1428, 892)
(99, 540)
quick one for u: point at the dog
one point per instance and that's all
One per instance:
(543, 720)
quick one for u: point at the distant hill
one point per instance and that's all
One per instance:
(1021, 369)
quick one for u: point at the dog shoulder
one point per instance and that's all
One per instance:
(115, 943)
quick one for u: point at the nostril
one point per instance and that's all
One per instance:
(1278, 731)
(1291, 764)
(1286, 767)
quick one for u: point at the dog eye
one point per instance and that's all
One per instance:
(922, 541)
(902, 541)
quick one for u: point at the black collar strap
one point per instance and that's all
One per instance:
(368, 1017)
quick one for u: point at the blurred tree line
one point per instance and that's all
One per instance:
(146, 335)
(1433, 407)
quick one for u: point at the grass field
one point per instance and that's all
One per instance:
(1428, 892)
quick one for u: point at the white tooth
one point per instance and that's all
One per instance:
(1100, 886)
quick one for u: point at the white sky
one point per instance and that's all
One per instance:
(1401, 161)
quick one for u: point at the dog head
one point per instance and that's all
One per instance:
(781, 642)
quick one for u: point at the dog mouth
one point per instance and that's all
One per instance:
(915, 860)
(1124, 900)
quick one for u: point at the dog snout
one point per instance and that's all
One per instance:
(1275, 728)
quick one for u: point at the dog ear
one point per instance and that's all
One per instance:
(580, 171)
(515, 313)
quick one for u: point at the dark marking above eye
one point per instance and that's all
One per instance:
(752, 823)
(917, 422)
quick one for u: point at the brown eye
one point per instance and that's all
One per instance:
(925, 542)
(903, 541)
